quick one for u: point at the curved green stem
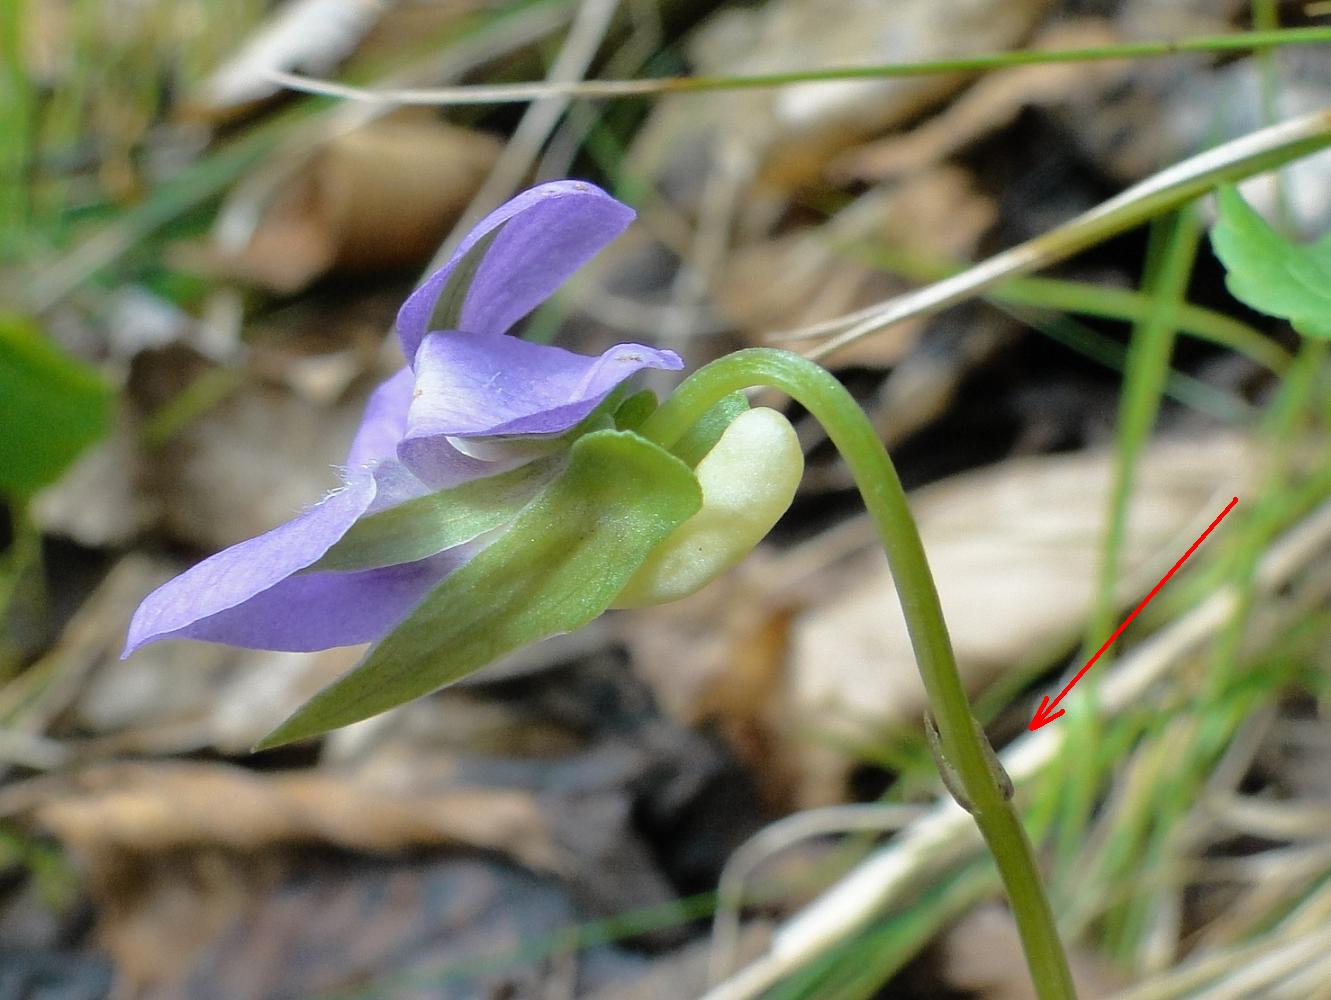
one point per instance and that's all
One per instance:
(964, 747)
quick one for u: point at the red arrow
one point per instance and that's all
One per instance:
(1045, 713)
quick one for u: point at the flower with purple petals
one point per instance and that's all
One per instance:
(472, 403)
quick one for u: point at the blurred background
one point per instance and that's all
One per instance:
(200, 271)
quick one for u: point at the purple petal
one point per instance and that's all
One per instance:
(435, 462)
(549, 232)
(384, 422)
(375, 446)
(396, 484)
(477, 385)
(234, 575)
(321, 610)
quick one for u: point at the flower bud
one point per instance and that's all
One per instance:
(748, 480)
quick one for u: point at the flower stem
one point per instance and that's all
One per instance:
(964, 747)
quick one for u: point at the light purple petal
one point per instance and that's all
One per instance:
(549, 232)
(234, 575)
(396, 484)
(478, 385)
(314, 611)
(438, 464)
(374, 448)
(384, 422)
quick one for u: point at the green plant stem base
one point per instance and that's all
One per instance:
(964, 747)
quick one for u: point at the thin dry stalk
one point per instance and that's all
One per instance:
(777, 837)
(1165, 190)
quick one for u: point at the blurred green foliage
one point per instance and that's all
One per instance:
(52, 407)
(1269, 272)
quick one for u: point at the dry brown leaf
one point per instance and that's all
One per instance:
(1172, 108)
(209, 483)
(109, 471)
(180, 856)
(1013, 549)
(105, 811)
(214, 882)
(790, 132)
(169, 697)
(212, 925)
(251, 462)
(1179, 18)
(376, 199)
(683, 973)
(718, 659)
(814, 120)
(184, 859)
(806, 277)
(404, 27)
(1132, 117)
(156, 916)
(924, 386)
(993, 103)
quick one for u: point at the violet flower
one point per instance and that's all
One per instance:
(473, 402)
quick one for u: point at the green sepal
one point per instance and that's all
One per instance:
(556, 568)
(52, 406)
(701, 438)
(631, 412)
(437, 521)
(1268, 272)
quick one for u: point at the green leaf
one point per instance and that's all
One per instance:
(630, 413)
(558, 567)
(437, 521)
(701, 438)
(1268, 272)
(52, 406)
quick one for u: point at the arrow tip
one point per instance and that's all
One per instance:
(1044, 714)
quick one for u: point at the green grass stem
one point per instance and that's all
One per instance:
(1266, 516)
(1170, 259)
(16, 123)
(1169, 265)
(1087, 299)
(1239, 41)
